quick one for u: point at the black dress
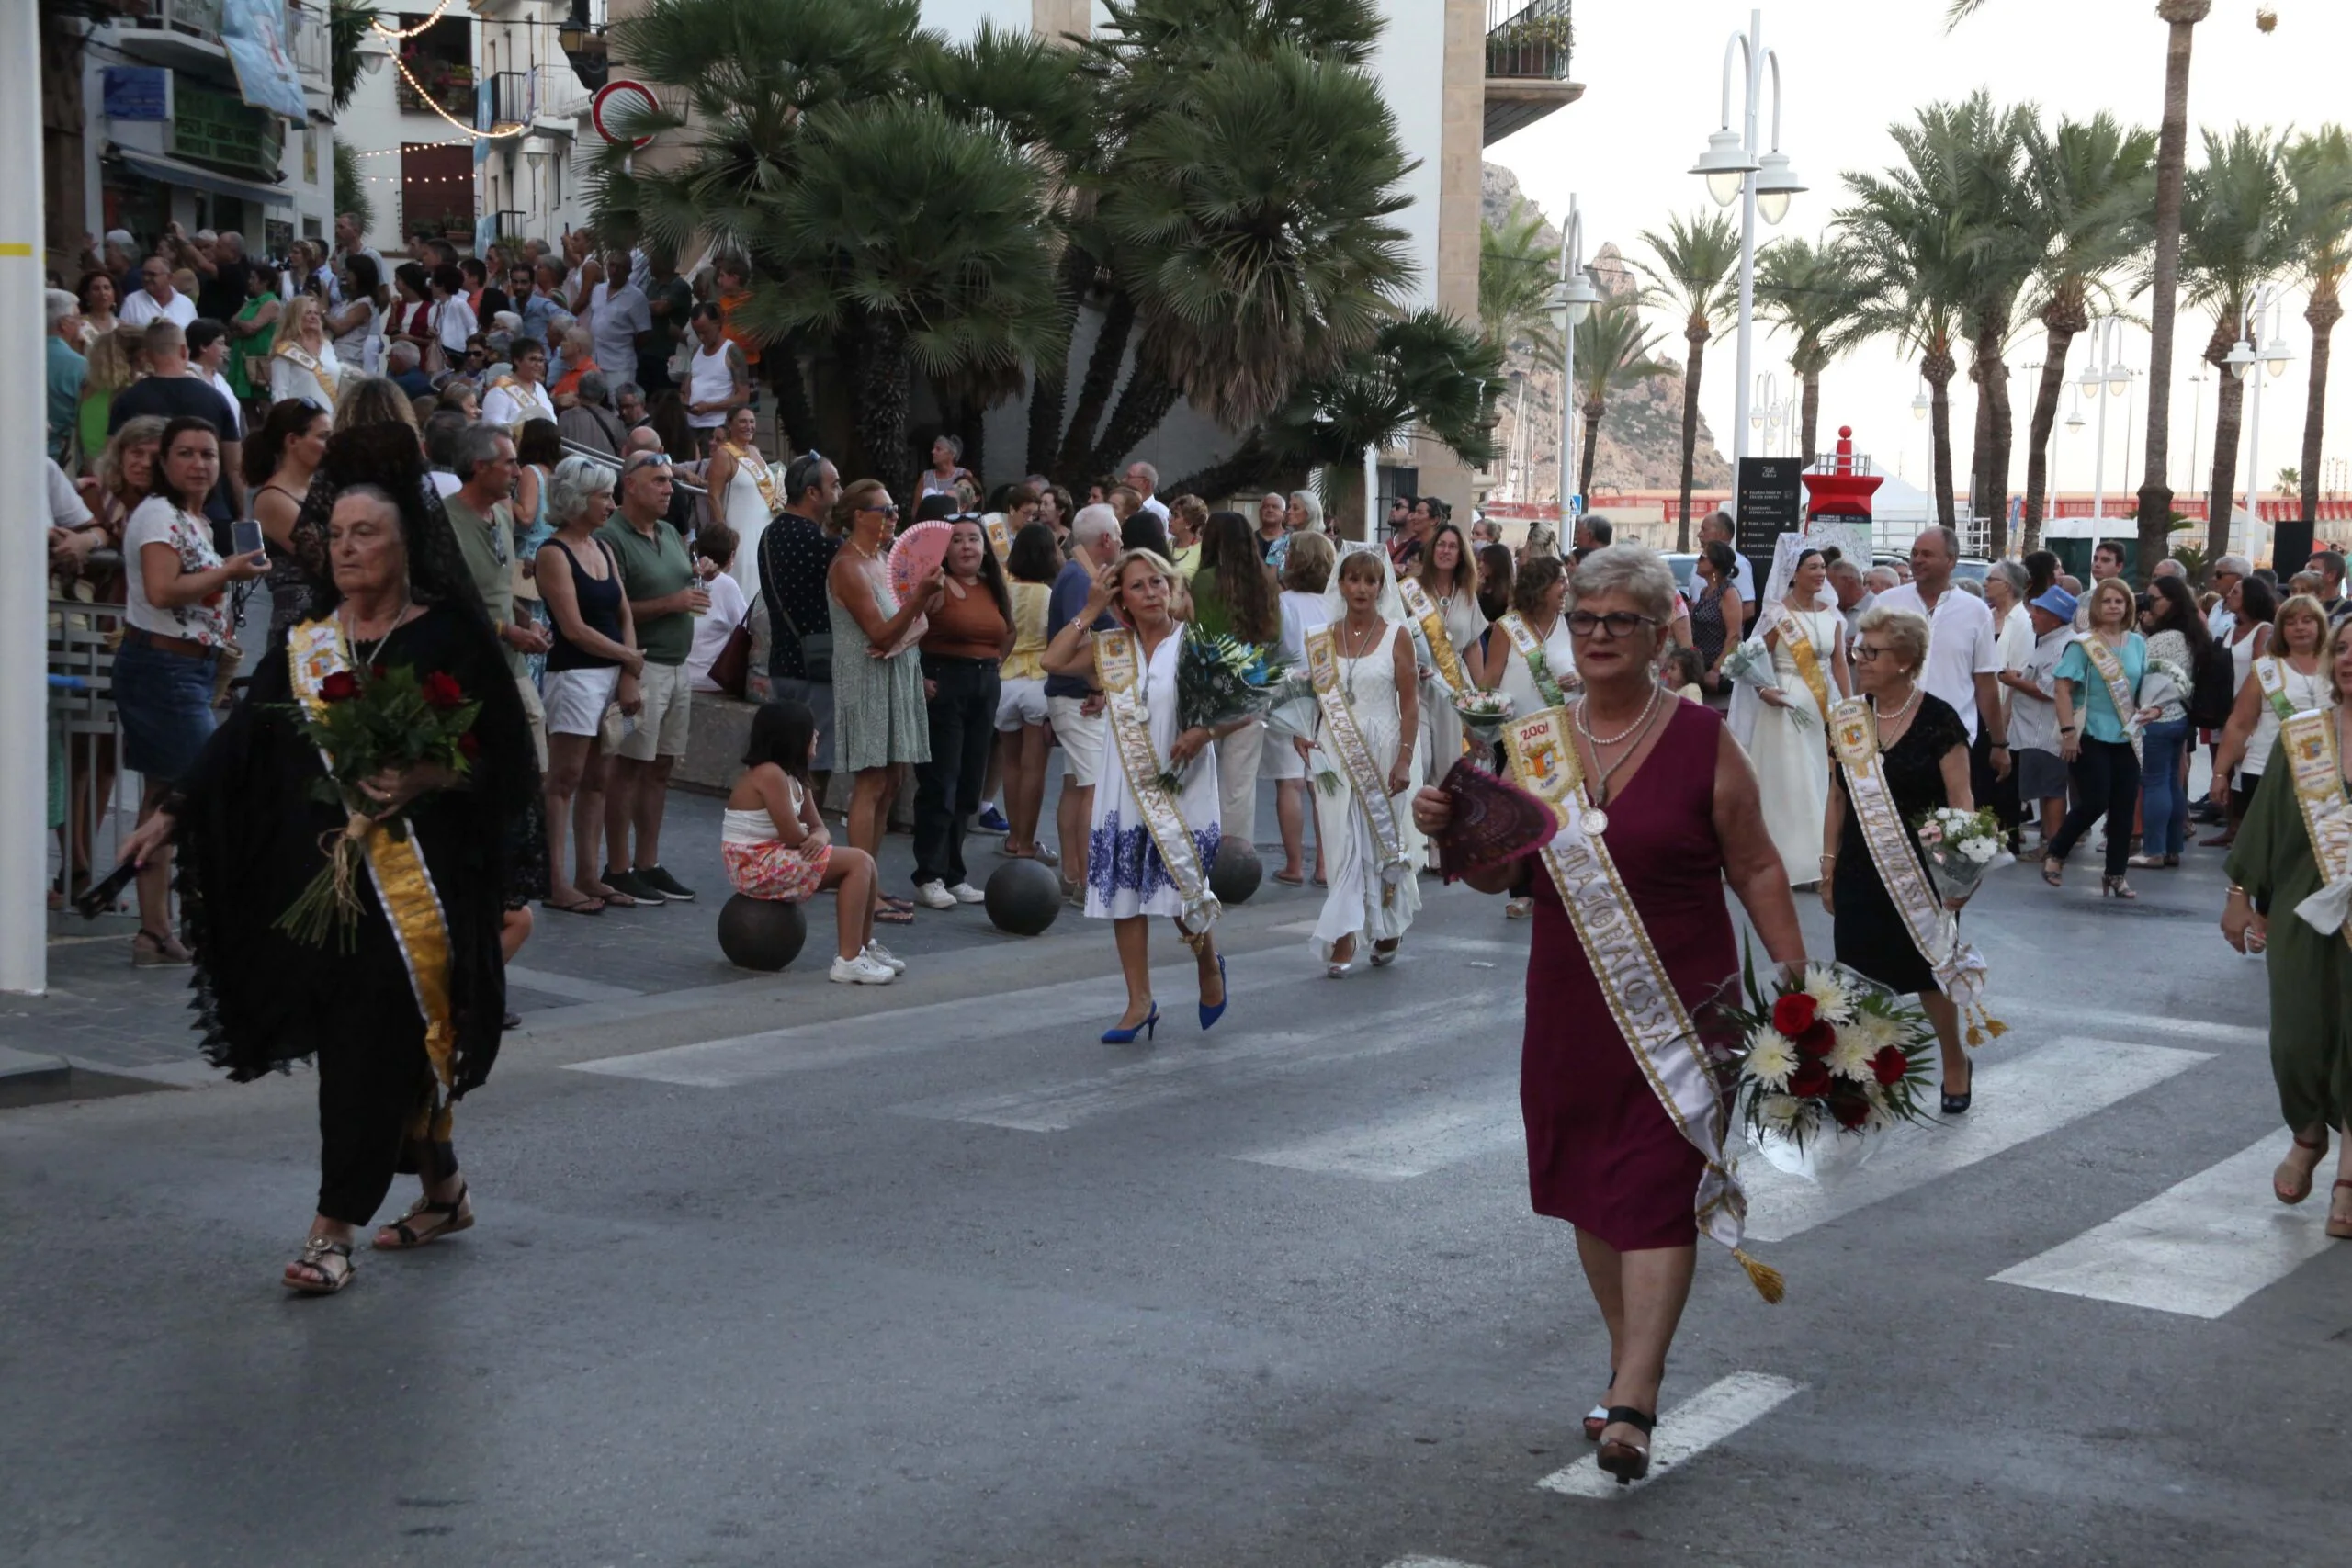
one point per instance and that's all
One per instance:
(1872, 935)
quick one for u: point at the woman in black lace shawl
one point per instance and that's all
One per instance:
(249, 829)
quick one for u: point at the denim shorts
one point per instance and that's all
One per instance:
(165, 701)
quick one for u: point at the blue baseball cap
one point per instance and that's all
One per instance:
(2057, 601)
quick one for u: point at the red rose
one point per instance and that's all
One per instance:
(1850, 1113)
(1793, 1013)
(378, 672)
(442, 691)
(470, 745)
(1817, 1039)
(1811, 1078)
(1890, 1065)
(339, 687)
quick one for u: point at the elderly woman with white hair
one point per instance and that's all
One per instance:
(1626, 1136)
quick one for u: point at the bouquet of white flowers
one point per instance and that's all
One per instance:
(1962, 847)
(1751, 663)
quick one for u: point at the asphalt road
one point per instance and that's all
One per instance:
(777, 1272)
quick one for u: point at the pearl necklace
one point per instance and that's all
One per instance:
(1908, 703)
(1639, 724)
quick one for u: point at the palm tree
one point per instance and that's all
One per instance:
(2319, 165)
(1515, 278)
(1918, 251)
(1816, 294)
(2090, 182)
(2237, 231)
(1613, 349)
(1695, 276)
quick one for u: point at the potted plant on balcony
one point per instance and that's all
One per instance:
(1536, 42)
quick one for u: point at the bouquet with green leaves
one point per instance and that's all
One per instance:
(1220, 680)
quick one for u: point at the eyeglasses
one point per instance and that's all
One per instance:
(1616, 624)
(890, 511)
(644, 460)
(1865, 654)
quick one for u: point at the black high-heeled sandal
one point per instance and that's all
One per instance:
(1622, 1460)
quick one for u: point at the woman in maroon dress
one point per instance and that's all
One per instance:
(1602, 1153)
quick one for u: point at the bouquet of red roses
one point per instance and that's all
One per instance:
(387, 716)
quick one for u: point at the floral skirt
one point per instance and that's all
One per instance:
(776, 870)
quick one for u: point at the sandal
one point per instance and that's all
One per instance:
(2053, 871)
(456, 1215)
(1622, 1458)
(890, 914)
(2156, 862)
(2280, 1189)
(1519, 908)
(329, 1279)
(1384, 953)
(1289, 881)
(587, 904)
(2340, 1227)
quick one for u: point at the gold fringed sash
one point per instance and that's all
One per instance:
(762, 475)
(1799, 642)
(1118, 669)
(1345, 740)
(1531, 653)
(2271, 672)
(294, 354)
(2118, 688)
(1934, 929)
(2317, 771)
(1432, 621)
(1657, 1027)
(314, 650)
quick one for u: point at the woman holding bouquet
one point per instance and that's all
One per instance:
(2273, 869)
(1234, 595)
(1155, 829)
(403, 1008)
(1626, 1136)
(1790, 741)
(1923, 753)
(1367, 692)
(1535, 625)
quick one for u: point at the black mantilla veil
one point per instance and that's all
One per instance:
(249, 827)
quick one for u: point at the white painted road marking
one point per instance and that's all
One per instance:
(549, 984)
(1430, 1563)
(1685, 1432)
(2018, 1100)
(2198, 1249)
(1412, 1143)
(2095, 1020)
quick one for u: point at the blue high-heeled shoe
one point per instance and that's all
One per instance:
(1209, 1015)
(1127, 1036)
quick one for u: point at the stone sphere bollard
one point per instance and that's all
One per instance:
(1238, 871)
(1023, 896)
(761, 933)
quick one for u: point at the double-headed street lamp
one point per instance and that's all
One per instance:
(2103, 371)
(1771, 412)
(2264, 310)
(1759, 178)
(1572, 301)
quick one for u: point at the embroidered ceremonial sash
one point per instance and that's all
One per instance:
(1934, 929)
(527, 408)
(2118, 689)
(1641, 995)
(1000, 536)
(314, 650)
(294, 354)
(1531, 652)
(1345, 740)
(762, 475)
(1799, 642)
(1431, 620)
(2317, 771)
(1119, 671)
(2272, 674)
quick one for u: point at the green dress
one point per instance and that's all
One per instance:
(257, 346)
(879, 715)
(2310, 971)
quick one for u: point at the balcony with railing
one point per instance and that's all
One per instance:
(1529, 43)
(183, 34)
(307, 42)
(429, 82)
(509, 112)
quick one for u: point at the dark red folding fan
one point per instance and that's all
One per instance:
(1494, 821)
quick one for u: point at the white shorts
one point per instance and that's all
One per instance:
(1020, 701)
(1080, 735)
(1280, 759)
(662, 723)
(576, 699)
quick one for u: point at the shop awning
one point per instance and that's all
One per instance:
(195, 177)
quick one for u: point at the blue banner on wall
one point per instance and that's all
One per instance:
(254, 32)
(136, 91)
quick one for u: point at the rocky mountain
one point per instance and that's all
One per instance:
(1641, 433)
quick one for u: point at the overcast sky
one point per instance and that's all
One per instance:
(1652, 77)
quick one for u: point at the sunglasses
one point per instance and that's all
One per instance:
(1610, 628)
(646, 460)
(890, 511)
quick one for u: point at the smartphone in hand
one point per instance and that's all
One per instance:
(245, 537)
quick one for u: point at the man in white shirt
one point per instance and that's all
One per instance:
(2033, 709)
(157, 297)
(2227, 573)
(1963, 665)
(1143, 478)
(1718, 526)
(2106, 560)
(619, 318)
(1854, 597)
(515, 399)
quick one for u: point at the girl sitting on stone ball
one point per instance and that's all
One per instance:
(776, 847)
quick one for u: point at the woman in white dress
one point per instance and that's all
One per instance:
(749, 492)
(1373, 896)
(1449, 575)
(1791, 742)
(302, 363)
(1127, 880)
(1305, 574)
(1538, 589)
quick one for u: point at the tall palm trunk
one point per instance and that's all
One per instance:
(1938, 366)
(1102, 367)
(2229, 407)
(1592, 409)
(1696, 334)
(1980, 451)
(2172, 176)
(2325, 311)
(1808, 411)
(882, 381)
(2000, 433)
(2064, 317)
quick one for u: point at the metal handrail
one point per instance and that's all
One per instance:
(598, 455)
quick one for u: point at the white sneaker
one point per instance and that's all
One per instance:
(935, 895)
(860, 971)
(964, 893)
(885, 957)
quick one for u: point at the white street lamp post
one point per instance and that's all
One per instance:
(2103, 371)
(2271, 354)
(1761, 179)
(1572, 300)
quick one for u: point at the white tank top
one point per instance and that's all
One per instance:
(708, 381)
(756, 826)
(2304, 693)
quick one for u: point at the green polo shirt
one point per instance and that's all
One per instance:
(654, 568)
(488, 545)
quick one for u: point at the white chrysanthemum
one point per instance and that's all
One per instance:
(1881, 1116)
(1780, 1111)
(1877, 1032)
(1850, 1057)
(1770, 1059)
(1830, 993)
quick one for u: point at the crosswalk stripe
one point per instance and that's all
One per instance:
(1430, 1563)
(1685, 1432)
(2198, 1249)
(1412, 1143)
(2065, 1020)
(572, 989)
(1250, 1059)
(2015, 1100)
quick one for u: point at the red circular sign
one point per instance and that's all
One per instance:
(633, 98)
